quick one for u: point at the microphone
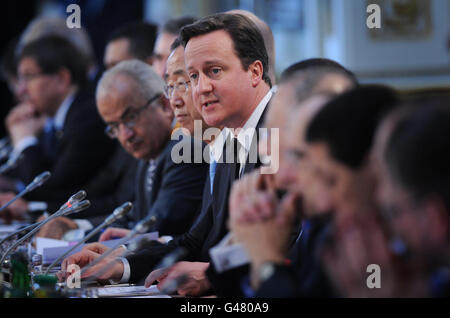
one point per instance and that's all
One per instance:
(77, 207)
(169, 260)
(77, 197)
(37, 182)
(140, 228)
(117, 214)
(18, 232)
(80, 195)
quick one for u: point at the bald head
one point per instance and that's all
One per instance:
(267, 35)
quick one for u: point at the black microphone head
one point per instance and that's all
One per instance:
(145, 224)
(77, 197)
(77, 207)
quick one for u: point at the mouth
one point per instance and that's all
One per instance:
(208, 105)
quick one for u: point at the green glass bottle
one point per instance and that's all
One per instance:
(20, 276)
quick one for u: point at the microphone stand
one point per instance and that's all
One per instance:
(140, 228)
(117, 214)
(66, 211)
(37, 182)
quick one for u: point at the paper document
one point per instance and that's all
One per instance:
(131, 291)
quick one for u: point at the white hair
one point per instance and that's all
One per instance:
(148, 82)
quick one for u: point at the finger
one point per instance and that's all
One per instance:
(105, 236)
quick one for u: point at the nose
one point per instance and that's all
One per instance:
(125, 133)
(176, 101)
(204, 85)
(20, 90)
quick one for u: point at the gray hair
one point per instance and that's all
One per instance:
(148, 82)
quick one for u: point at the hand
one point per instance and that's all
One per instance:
(113, 233)
(56, 228)
(7, 184)
(100, 249)
(16, 210)
(195, 284)
(21, 122)
(252, 185)
(85, 257)
(358, 242)
(267, 240)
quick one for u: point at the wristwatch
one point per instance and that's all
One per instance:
(266, 270)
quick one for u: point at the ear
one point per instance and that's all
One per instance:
(64, 77)
(437, 220)
(256, 70)
(149, 60)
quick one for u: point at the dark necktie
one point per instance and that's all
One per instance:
(49, 140)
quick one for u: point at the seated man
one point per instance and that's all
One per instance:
(304, 88)
(172, 192)
(227, 63)
(57, 127)
(178, 90)
(410, 157)
(133, 40)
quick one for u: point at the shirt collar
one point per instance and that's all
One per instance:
(244, 137)
(61, 113)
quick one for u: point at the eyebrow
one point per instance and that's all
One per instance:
(208, 63)
(124, 114)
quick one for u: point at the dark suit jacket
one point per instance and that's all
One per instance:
(208, 229)
(305, 276)
(112, 186)
(176, 194)
(81, 149)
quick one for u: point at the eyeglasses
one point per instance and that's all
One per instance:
(26, 78)
(181, 87)
(129, 120)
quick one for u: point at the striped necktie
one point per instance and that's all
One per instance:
(150, 174)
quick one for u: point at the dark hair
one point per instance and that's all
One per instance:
(317, 64)
(141, 36)
(174, 26)
(52, 53)
(175, 45)
(247, 39)
(8, 60)
(417, 152)
(347, 123)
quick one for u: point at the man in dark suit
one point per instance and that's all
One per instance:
(57, 127)
(230, 88)
(131, 100)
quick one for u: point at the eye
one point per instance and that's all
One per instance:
(193, 77)
(215, 71)
(131, 117)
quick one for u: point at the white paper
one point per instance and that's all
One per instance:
(131, 291)
(42, 242)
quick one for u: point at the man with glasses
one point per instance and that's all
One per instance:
(131, 100)
(178, 89)
(56, 127)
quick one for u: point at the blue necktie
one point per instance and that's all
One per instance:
(49, 141)
(212, 172)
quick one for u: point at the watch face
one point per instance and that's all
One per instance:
(267, 270)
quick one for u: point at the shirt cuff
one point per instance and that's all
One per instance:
(24, 143)
(37, 206)
(126, 270)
